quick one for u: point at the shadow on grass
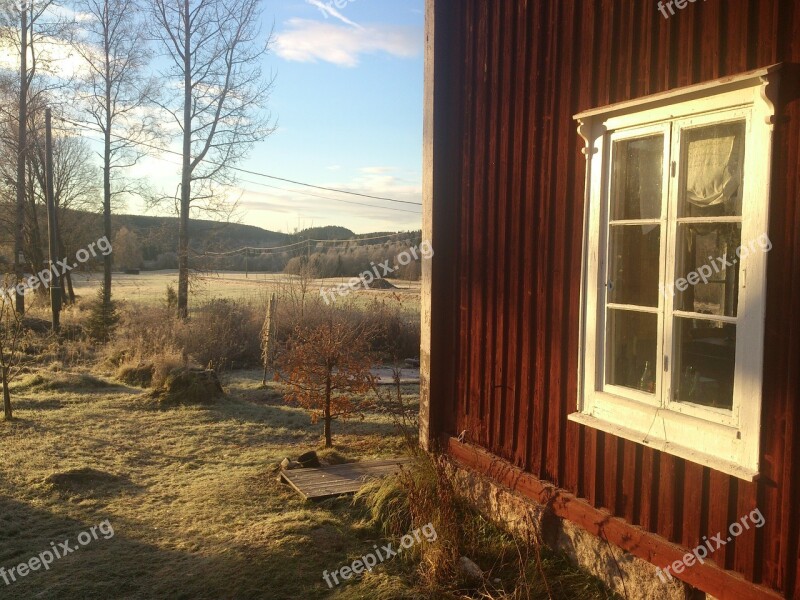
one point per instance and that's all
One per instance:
(129, 565)
(298, 420)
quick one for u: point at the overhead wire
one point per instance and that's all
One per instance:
(308, 241)
(250, 172)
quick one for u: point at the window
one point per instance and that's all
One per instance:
(674, 269)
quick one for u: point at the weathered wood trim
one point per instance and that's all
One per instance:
(685, 93)
(425, 425)
(440, 174)
(708, 577)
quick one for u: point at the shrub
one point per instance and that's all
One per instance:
(144, 334)
(171, 299)
(222, 334)
(399, 332)
(103, 319)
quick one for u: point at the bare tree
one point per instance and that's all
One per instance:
(75, 185)
(116, 52)
(22, 29)
(214, 50)
(13, 343)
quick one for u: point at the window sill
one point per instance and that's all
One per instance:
(713, 462)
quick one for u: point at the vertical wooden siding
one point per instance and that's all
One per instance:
(524, 67)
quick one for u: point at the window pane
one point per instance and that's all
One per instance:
(636, 179)
(706, 259)
(713, 159)
(705, 355)
(631, 349)
(633, 269)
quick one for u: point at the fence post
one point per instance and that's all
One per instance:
(268, 336)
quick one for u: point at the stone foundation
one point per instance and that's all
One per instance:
(627, 575)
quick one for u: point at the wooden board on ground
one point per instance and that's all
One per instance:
(339, 480)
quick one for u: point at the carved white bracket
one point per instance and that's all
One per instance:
(769, 91)
(585, 131)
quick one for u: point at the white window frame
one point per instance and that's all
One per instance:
(725, 440)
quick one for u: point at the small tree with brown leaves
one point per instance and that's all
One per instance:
(327, 364)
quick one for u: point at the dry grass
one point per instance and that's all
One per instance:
(149, 288)
(191, 493)
(514, 568)
(191, 490)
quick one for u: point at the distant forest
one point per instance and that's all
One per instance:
(150, 243)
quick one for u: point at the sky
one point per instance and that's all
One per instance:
(347, 101)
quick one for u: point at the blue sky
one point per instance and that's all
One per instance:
(348, 103)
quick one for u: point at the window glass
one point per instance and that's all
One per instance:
(631, 349)
(633, 255)
(705, 359)
(637, 178)
(706, 255)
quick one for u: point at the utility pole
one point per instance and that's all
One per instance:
(52, 229)
(22, 153)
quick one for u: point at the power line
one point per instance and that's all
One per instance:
(246, 171)
(276, 187)
(261, 183)
(308, 242)
(327, 189)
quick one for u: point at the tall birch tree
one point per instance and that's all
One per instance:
(214, 50)
(117, 91)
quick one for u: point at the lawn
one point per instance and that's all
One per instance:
(191, 493)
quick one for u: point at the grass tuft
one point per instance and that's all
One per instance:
(139, 374)
(514, 568)
(332, 456)
(187, 386)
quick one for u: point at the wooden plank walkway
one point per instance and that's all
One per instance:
(339, 480)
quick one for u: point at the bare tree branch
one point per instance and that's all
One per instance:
(214, 50)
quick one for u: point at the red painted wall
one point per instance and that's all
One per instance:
(512, 177)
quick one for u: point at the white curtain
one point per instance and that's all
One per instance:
(714, 169)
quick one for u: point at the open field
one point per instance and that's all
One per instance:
(150, 286)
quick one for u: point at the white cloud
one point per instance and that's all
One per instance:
(310, 41)
(54, 56)
(328, 9)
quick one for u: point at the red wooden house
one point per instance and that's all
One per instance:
(611, 325)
